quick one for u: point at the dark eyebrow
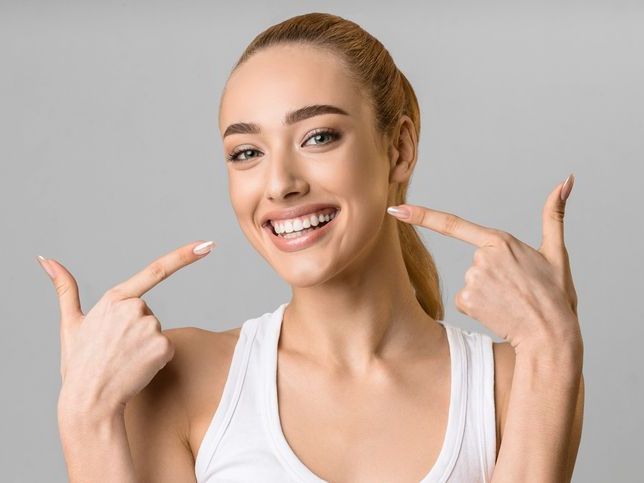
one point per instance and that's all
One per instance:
(291, 118)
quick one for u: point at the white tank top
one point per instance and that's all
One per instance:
(245, 443)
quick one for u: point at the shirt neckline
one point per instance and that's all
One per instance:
(448, 454)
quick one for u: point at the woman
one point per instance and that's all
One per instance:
(357, 378)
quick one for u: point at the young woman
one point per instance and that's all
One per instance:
(357, 377)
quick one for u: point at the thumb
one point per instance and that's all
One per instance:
(552, 243)
(66, 289)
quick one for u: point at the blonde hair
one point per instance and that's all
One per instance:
(372, 67)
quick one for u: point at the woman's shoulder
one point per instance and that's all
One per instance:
(197, 350)
(198, 338)
(201, 363)
(201, 359)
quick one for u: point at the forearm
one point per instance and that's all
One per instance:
(96, 449)
(540, 414)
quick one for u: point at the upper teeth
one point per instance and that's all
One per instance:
(302, 223)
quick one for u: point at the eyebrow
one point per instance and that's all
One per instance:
(290, 118)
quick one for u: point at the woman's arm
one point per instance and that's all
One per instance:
(94, 444)
(544, 416)
(147, 441)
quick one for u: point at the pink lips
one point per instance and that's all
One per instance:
(302, 241)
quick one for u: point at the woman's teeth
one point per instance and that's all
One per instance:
(298, 226)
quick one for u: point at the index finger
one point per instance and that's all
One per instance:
(162, 268)
(450, 225)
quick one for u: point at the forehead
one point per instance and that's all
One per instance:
(286, 77)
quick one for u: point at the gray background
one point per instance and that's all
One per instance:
(110, 157)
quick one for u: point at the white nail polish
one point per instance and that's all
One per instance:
(203, 248)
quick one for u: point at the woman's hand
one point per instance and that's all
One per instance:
(113, 352)
(521, 294)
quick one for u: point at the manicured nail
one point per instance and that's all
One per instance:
(567, 187)
(205, 247)
(46, 266)
(399, 212)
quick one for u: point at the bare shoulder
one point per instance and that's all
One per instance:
(504, 358)
(203, 359)
(164, 421)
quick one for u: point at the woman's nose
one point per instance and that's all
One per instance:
(284, 177)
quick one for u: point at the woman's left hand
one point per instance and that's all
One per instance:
(523, 295)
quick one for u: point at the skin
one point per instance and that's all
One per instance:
(353, 331)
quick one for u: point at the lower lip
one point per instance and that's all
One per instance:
(302, 241)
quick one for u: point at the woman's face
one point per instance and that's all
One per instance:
(324, 163)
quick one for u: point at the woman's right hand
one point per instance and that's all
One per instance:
(109, 355)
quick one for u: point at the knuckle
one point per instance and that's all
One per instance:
(165, 346)
(462, 299)
(472, 275)
(479, 257)
(152, 324)
(185, 257)
(157, 270)
(136, 305)
(112, 295)
(503, 238)
(558, 215)
(62, 288)
(451, 223)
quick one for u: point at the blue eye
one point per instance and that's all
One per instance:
(234, 155)
(320, 133)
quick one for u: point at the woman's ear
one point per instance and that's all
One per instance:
(403, 151)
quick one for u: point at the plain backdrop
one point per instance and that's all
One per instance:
(110, 156)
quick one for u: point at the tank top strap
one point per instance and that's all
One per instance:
(456, 418)
(477, 452)
(229, 396)
(483, 386)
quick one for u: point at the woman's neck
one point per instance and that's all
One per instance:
(366, 314)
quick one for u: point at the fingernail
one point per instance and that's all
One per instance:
(203, 248)
(46, 266)
(567, 187)
(399, 212)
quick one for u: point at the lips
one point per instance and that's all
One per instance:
(294, 212)
(305, 240)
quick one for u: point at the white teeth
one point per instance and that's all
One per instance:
(299, 224)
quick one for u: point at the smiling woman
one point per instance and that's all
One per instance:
(321, 131)
(357, 377)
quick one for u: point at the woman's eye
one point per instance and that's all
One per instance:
(319, 137)
(234, 156)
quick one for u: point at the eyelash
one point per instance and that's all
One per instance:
(331, 132)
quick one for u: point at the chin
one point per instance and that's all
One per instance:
(304, 273)
(319, 263)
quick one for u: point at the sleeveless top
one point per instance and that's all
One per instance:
(245, 443)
